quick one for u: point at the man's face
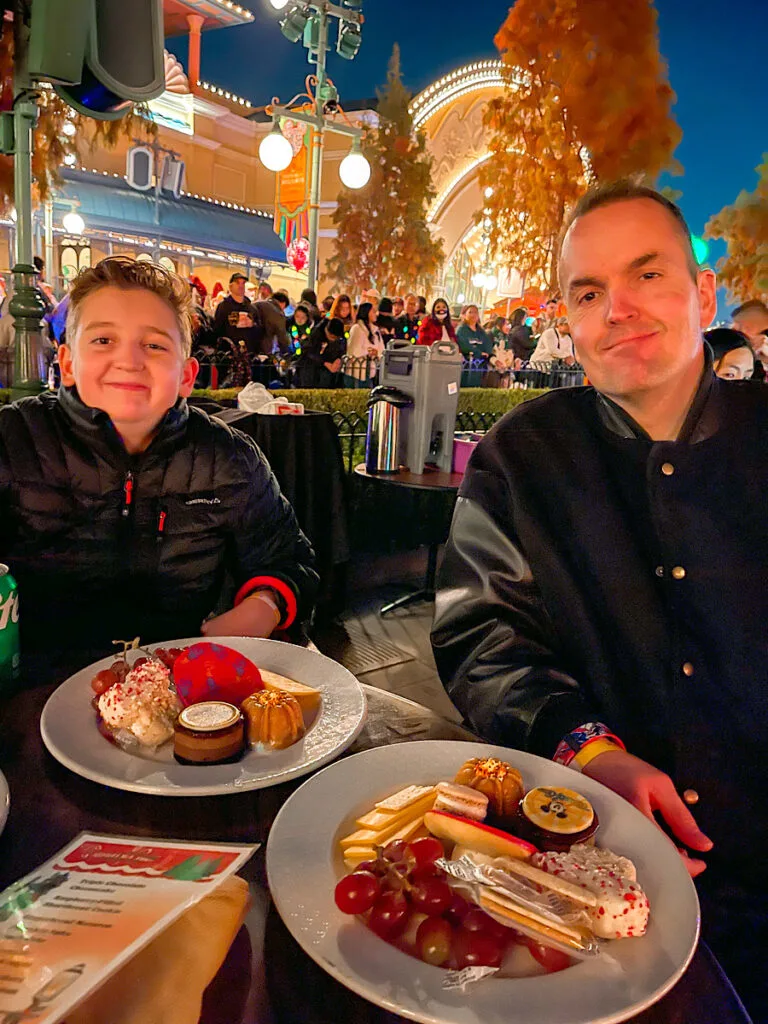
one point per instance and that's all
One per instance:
(397, 307)
(237, 289)
(634, 308)
(551, 308)
(126, 358)
(264, 291)
(411, 305)
(752, 323)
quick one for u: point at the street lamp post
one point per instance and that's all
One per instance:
(312, 20)
(26, 306)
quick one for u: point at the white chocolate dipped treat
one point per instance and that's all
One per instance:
(622, 908)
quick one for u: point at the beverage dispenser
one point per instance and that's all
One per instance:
(431, 375)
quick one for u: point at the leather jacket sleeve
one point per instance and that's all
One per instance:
(493, 641)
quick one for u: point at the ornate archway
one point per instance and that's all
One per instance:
(450, 113)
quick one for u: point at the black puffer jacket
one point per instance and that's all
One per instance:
(107, 545)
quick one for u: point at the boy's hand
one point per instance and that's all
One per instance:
(250, 618)
(651, 790)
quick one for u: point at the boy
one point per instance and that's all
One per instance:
(124, 512)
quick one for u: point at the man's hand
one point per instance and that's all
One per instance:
(650, 790)
(250, 618)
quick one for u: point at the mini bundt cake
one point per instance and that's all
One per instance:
(501, 783)
(273, 719)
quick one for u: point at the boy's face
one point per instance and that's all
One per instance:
(126, 358)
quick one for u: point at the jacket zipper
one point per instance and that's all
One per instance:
(161, 519)
(127, 494)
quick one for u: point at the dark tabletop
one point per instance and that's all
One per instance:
(50, 805)
(430, 479)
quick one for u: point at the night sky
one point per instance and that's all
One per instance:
(716, 54)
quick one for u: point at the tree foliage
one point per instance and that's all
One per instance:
(586, 97)
(383, 238)
(744, 228)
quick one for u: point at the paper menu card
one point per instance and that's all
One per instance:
(70, 924)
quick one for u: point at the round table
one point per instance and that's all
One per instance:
(266, 978)
(430, 480)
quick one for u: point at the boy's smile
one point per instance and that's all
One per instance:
(127, 359)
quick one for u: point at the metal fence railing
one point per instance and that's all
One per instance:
(226, 366)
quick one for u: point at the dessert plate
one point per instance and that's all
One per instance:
(5, 801)
(303, 867)
(69, 729)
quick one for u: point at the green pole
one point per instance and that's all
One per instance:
(318, 141)
(26, 306)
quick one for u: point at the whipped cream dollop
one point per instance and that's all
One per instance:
(144, 704)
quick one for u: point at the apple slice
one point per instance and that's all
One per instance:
(475, 835)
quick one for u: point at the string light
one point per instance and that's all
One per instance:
(229, 96)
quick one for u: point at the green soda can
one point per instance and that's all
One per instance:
(9, 629)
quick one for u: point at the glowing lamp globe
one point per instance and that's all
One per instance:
(275, 151)
(700, 249)
(278, 4)
(478, 280)
(354, 170)
(491, 281)
(73, 223)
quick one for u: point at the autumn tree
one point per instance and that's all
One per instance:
(744, 228)
(586, 98)
(383, 237)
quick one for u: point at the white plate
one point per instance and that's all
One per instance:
(302, 869)
(5, 801)
(69, 730)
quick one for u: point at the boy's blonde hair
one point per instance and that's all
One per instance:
(127, 272)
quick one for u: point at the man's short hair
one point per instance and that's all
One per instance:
(39, 265)
(751, 306)
(621, 191)
(281, 297)
(127, 273)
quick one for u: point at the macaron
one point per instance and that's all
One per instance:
(461, 800)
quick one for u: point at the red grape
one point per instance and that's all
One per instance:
(550, 959)
(477, 949)
(480, 923)
(431, 896)
(395, 851)
(120, 668)
(139, 662)
(458, 909)
(426, 850)
(375, 867)
(389, 915)
(103, 680)
(433, 941)
(357, 892)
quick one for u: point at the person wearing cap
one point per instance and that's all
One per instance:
(554, 343)
(236, 317)
(320, 359)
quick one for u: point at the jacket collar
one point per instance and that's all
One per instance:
(96, 428)
(702, 421)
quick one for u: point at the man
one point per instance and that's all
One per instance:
(550, 314)
(407, 325)
(605, 583)
(752, 319)
(554, 343)
(398, 306)
(270, 315)
(123, 512)
(265, 291)
(236, 318)
(372, 295)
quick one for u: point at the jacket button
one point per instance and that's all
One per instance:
(667, 468)
(687, 669)
(678, 573)
(659, 570)
(691, 796)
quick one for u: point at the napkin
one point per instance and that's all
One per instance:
(164, 983)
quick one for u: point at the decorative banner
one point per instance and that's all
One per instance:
(297, 254)
(292, 185)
